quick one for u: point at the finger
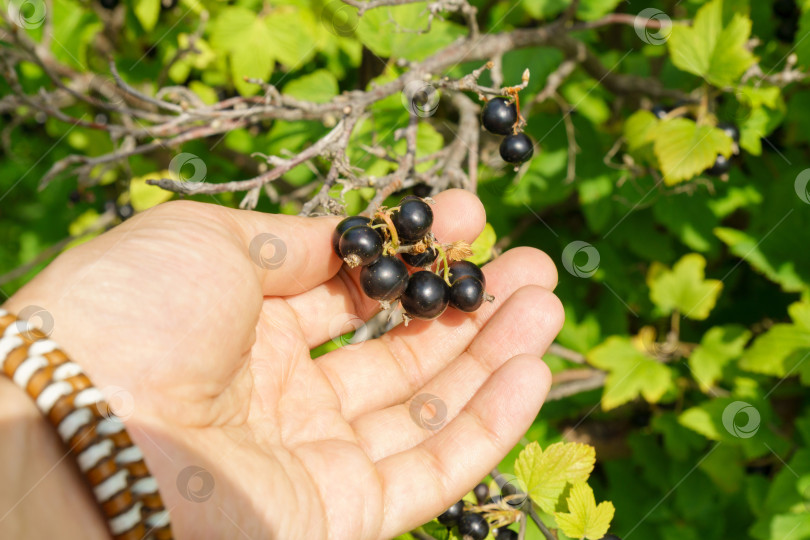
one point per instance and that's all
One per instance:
(340, 306)
(512, 331)
(422, 482)
(290, 254)
(389, 370)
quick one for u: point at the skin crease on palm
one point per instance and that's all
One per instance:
(214, 351)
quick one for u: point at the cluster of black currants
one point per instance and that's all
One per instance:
(383, 245)
(501, 117)
(472, 523)
(470, 520)
(722, 164)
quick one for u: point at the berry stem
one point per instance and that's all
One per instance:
(391, 229)
(443, 259)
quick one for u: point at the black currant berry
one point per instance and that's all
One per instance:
(660, 111)
(451, 516)
(499, 116)
(343, 226)
(517, 148)
(426, 296)
(721, 166)
(731, 130)
(506, 534)
(385, 279)
(459, 269)
(421, 260)
(360, 246)
(109, 4)
(124, 211)
(784, 8)
(422, 190)
(481, 492)
(413, 219)
(466, 294)
(75, 196)
(473, 526)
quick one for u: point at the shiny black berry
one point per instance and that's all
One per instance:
(499, 116)
(360, 246)
(75, 196)
(730, 130)
(124, 211)
(413, 219)
(721, 166)
(426, 296)
(345, 225)
(784, 8)
(421, 260)
(109, 4)
(467, 294)
(481, 492)
(517, 148)
(459, 269)
(385, 279)
(473, 526)
(422, 190)
(506, 534)
(451, 516)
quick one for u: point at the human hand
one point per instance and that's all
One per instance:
(206, 354)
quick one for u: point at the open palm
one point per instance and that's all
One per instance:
(201, 341)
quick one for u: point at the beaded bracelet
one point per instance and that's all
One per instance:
(109, 460)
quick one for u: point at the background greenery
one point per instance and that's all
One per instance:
(698, 299)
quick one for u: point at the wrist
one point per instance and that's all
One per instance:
(44, 495)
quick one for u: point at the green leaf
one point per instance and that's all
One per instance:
(630, 373)
(590, 10)
(543, 9)
(685, 149)
(249, 45)
(784, 349)
(639, 129)
(319, 86)
(584, 518)
(144, 196)
(546, 473)
(719, 346)
(147, 12)
(482, 246)
(711, 49)
(400, 31)
(292, 36)
(684, 288)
